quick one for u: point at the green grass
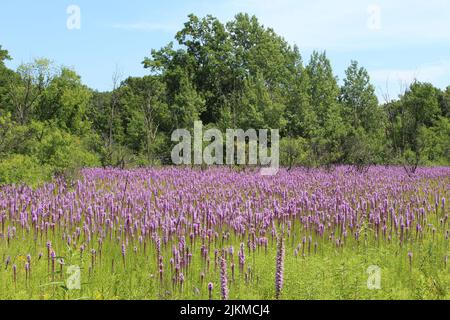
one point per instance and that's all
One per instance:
(330, 273)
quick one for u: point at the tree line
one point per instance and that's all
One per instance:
(238, 74)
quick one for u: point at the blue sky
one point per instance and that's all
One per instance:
(397, 41)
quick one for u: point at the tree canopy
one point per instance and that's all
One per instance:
(238, 74)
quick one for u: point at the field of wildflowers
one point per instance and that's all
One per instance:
(179, 233)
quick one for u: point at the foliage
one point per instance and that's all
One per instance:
(26, 148)
(295, 152)
(238, 74)
(412, 120)
(62, 151)
(18, 168)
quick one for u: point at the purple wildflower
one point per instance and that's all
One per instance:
(223, 278)
(279, 273)
(210, 289)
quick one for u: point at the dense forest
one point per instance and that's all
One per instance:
(234, 75)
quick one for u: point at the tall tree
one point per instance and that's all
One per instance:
(146, 114)
(363, 116)
(185, 102)
(326, 128)
(208, 45)
(24, 94)
(358, 98)
(299, 112)
(444, 102)
(6, 76)
(66, 101)
(221, 61)
(258, 109)
(4, 55)
(418, 108)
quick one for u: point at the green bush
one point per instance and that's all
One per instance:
(39, 151)
(19, 168)
(295, 152)
(434, 143)
(64, 152)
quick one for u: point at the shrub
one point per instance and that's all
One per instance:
(295, 152)
(25, 169)
(64, 152)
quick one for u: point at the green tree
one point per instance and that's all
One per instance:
(363, 117)
(444, 102)
(146, 115)
(209, 49)
(4, 55)
(295, 152)
(325, 125)
(16, 138)
(299, 113)
(358, 98)
(258, 109)
(66, 101)
(434, 143)
(25, 94)
(6, 76)
(64, 153)
(221, 61)
(418, 108)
